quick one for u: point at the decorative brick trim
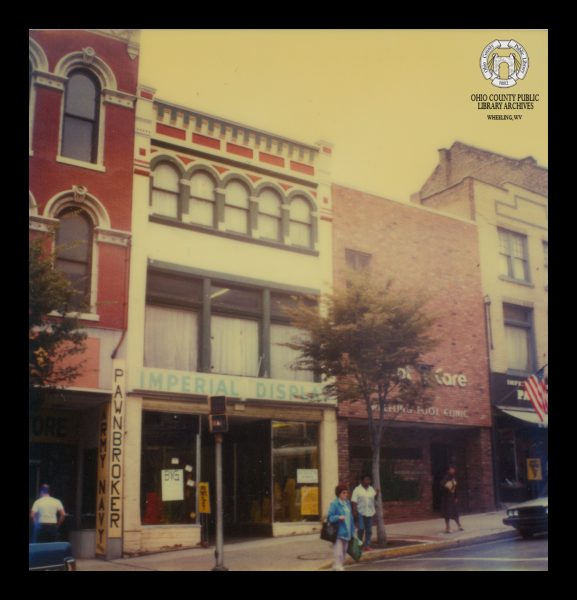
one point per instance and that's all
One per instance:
(206, 141)
(271, 159)
(112, 236)
(240, 150)
(141, 172)
(302, 168)
(171, 131)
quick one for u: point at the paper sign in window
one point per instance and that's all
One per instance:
(309, 501)
(172, 484)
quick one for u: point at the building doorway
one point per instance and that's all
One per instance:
(441, 459)
(246, 479)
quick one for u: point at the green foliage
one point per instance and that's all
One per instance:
(52, 337)
(362, 337)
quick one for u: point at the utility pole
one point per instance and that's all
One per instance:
(219, 552)
(218, 424)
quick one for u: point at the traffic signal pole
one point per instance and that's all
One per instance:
(219, 552)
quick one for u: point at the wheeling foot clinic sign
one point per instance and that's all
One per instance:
(206, 384)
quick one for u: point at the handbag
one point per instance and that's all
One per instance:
(354, 548)
(329, 531)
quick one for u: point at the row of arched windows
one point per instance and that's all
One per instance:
(267, 215)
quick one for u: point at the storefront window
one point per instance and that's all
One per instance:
(296, 475)
(168, 493)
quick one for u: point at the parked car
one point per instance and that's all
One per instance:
(530, 517)
(51, 556)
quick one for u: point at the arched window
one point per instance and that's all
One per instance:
(202, 199)
(165, 190)
(300, 222)
(269, 217)
(81, 117)
(236, 207)
(74, 254)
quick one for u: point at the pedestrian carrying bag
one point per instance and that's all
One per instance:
(354, 548)
(329, 532)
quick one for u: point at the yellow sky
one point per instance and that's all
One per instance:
(386, 99)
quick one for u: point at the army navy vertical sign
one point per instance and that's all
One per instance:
(102, 484)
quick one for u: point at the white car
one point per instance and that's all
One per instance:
(530, 517)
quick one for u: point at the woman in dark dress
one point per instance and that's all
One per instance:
(449, 507)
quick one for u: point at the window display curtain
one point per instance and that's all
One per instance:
(282, 357)
(170, 339)
(517, 348)
(165, 192)
(235, 345)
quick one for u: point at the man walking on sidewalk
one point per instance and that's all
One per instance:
(363, 500)
(47, 514)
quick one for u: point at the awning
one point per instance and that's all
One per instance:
(530, 416)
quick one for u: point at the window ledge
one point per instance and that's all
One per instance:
(171, 526)
(518, 281)
(517, 373)
(80, 163)
(81, 316)
(154, 218)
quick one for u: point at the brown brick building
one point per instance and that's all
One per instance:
(422, 250)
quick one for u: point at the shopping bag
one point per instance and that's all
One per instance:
(329, 532)
(354, 548)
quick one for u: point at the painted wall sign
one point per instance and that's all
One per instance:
(51, 426)
(206, 384)
(431, 411)
(438, 376)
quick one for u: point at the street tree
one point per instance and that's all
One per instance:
(367, 345)
(54, 336)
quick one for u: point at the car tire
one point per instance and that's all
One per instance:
(526, 534)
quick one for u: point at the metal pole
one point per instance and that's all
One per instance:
(219, 552)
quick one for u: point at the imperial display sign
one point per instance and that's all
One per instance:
(206, 384)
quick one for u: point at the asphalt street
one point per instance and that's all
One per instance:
(505, 555)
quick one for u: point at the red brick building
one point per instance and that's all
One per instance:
(422, 250)
(82, 94)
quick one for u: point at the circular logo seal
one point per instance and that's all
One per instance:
(504, 62)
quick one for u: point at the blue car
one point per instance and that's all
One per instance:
(51, 556)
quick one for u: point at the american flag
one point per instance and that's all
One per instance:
(536, 389)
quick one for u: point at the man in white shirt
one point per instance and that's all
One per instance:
(363, 500)
(47, 514)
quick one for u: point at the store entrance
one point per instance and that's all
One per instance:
(441, 458)
(246, 478)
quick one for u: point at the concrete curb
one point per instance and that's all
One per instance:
(423, 548)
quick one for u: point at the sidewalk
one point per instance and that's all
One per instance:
(309, 552)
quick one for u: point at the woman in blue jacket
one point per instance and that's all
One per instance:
(340, 512)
